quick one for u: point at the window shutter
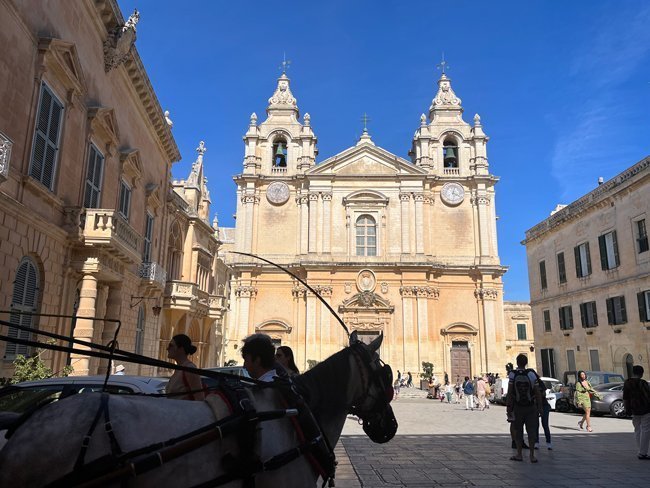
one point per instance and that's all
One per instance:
(588, 258)
(561, 317)
(615, 242)
(51, 150)
(583, 314)
(603, 252)
(621, 301)
(570, 313)
(594, 314)
(90, 178)
(640, 298)
(561, 268)
(576, 254)
(24, 299)
(610, 311)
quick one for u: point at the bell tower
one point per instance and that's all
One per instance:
(280, 145)
(444, 143)
(278, 152)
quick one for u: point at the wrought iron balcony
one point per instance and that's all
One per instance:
(5, 156)
(106, 228)
(153, 273)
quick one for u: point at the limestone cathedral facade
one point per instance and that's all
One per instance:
(407, 248)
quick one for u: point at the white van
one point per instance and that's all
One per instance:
(552, 390)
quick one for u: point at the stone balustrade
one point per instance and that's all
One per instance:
(106, 228)
(451, 171)
(278, 170)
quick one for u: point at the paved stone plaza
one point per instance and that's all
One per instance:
(444, 445)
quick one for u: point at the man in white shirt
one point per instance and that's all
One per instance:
(259, 357)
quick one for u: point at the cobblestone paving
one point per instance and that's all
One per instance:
(445, 445)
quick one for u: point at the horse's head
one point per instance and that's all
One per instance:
(374, 408)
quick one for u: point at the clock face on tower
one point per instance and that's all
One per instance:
(452, 193)
(277, 193)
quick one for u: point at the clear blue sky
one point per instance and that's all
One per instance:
(563, 88)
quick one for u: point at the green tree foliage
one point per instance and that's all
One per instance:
(33, 368)
(427, 371)
(311, 363)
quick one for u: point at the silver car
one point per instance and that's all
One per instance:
(611, 402)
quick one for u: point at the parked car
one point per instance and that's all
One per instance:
(552, 390)
(17, 399)
(553, 386)
(234, 370)
(611, 402)
(565, 403)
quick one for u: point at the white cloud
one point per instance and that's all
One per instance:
(592, 142)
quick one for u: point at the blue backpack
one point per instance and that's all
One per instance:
(469, 388)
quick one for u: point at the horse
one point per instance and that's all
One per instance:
(45, 449)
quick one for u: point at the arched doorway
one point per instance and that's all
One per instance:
(629, 362)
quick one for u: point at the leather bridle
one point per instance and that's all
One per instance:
(375, 412)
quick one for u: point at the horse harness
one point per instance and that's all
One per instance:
(119, 466)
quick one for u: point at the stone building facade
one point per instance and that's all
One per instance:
(520, 337)
(589, 273)
(197, 278)
(407, 248)
(86, 204)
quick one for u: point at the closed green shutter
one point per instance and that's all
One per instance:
(46, 138)
(576, 255)
(602, 245)
(610, 311)
(615, 243)
(643, 314)
(24, 299)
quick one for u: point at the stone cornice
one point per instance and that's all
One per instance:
(111, 16)
(588, 201)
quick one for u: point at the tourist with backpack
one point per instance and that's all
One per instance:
(636, 397)
(524, 406)
(468, 391)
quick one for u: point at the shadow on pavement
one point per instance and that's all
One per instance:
(580, 459)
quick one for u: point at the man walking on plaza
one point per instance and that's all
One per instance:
(524, 403)
(636, 397)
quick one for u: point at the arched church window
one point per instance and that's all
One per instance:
(280, 153)
(450, 153)
(366, 236)
(175, 251)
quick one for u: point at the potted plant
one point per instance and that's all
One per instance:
(426, 375)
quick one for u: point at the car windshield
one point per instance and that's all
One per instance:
(598, 379)
(20, 399)
(551, 385)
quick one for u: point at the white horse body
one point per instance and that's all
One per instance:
(40, 456)
(46, 447)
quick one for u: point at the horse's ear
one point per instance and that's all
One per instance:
(374, 345)
(354, 337)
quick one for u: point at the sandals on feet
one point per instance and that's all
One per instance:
(589, 429)
(580, 424)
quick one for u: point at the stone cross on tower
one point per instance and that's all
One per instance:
(201, 149)
(365, 119)
(443, 64)
(286, 63)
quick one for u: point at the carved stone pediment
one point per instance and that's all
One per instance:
(131, 165)
(103, 126)
(152, 192)
(366, 300)
(59, 58)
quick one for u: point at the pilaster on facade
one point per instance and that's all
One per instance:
(486, 294)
